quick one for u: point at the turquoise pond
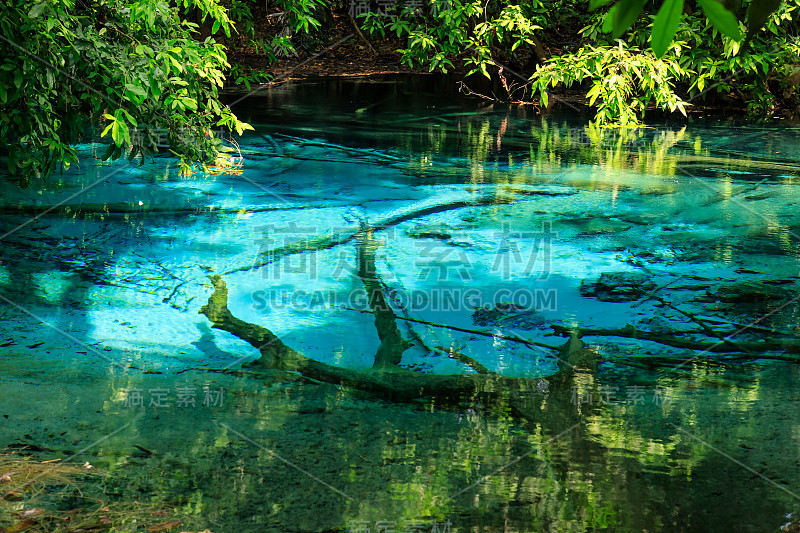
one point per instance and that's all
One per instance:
(675, 249)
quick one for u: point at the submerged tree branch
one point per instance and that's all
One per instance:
(395, 383)
(390, 352)
(629, 331)
(469, 361)
(512, 338)
(325, 242)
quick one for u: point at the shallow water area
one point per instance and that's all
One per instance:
(675, 250)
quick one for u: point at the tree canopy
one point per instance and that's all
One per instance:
(144, 74)
(133, 67)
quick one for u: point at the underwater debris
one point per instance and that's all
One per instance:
(618, 286)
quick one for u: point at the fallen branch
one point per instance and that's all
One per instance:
(700, 322)
(392, 343)
(397, 383)
(469, 361)
(741, 328)
(361, 34)
(512, 338)
(347, 149)
(629, 331)
(325, 242)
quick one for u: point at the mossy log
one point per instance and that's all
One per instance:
(391, 382)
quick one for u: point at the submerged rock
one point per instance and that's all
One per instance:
(484, 316)
(618, 286)
(748, 292)
(642, 219)
(598, 225)
(507, 315)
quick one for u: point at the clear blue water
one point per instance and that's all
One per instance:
(103, 352)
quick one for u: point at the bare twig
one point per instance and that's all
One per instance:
(361, 34)
(469, 361)
(512, 338)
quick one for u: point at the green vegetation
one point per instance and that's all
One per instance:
(34, 494)
(132, 67)
(139, 71)
(704, 54)
(671, 56)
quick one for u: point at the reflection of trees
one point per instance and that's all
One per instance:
(624, 468)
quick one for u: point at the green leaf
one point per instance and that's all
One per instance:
(135, 89)
(608, 22)
(108, 152)
(155, 87)
(758, 12)
(37, 10)
(177, 65)
(626, 13)
(666, 24)
(723, 20)
(190, 103)
(593, 93)
(130, 118)
(215, 27)
(116, 134)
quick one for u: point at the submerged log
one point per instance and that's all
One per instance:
(393, 344)
(493, 335)
(465, 359)
(393, 382)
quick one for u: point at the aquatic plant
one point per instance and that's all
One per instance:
(33, 494)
